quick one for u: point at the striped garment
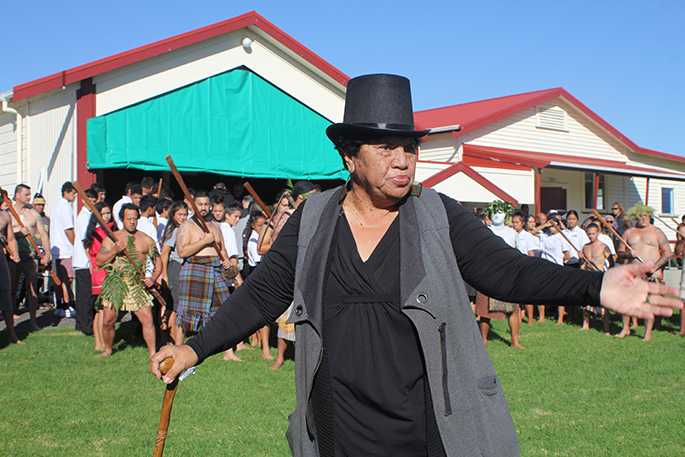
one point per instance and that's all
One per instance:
(286, 331)
(202, 289)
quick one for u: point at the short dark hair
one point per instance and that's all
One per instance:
(21, 186)
(163, 204)
(200, 193)
(126, 206)
(147, 201)
(593, 224)
(218, 199)
(97, 187)
(67, 187)
(90, 193)
(147, 182)
(518, 214)
(219, 185)
(233, 208)
(133, 188)
(166, 193)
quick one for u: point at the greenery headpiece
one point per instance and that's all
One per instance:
(497, 206)
(638, 210)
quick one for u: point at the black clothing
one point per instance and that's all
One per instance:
(361, 308)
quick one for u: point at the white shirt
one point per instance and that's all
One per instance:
(229, 239)
(552, 247)
(578, 238)
(146, 226)
(508, 234)
(253, 256)
(161, 225)
(81, 260)
(606, 240)
(62, 218)
(117, 208)
(525, 242)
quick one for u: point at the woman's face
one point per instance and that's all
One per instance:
(530, 224)
(106, 213)
(571, 221)
(180, 216)
(385, 170)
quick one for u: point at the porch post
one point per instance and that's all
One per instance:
(647, 193)
(538, 179)
(597, 190)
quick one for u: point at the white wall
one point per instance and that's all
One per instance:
(8, 152)
(155, 76)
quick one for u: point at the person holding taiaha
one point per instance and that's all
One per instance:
(124, 287)
(389, 360)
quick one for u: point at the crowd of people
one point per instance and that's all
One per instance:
(171, 263)
(181, 261)
(561, 238)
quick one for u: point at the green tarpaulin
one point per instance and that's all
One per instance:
(235, 124)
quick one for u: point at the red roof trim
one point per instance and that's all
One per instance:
(502, 107)
(473, 160)
(471, 173)
(97, 67)
(522, 157)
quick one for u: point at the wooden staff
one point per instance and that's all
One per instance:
(110, 233)
(6, 245)
(166, 408)
(664, 222)
(159, 190)
(189, 197)
(53, 275)
(590, 262)
(613, 232)
(257, 199)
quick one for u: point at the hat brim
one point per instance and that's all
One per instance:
(336, 131)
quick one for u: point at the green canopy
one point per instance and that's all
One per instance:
(235, 124)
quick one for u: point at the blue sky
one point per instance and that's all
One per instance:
(623, 59)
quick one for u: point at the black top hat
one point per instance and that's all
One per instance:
(376, 105)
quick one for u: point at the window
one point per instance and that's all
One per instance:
(590, 191)
(667, 194)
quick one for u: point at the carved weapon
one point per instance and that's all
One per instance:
(53, 275)
(167, 403)
(189, 197)
(613, 232)
(257, 199)
(155, 293)
(590, 262)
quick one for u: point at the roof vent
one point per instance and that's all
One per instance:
(550, 117)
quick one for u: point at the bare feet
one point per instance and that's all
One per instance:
(517, 345)
(681, 333)
(584, 327)
(17, 341)
(647, 337)
(277, 364)
(104, 354)
(540, 321)
(229, 355)
(267, 356)
(241, 346)
(624, 333)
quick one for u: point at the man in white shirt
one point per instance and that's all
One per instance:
(84, 308)
(132, 193)
(163, 205)
(62, 238)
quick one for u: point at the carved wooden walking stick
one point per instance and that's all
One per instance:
(53, 275)
(664, 222)
(155, 293)
(613, 232)
(590, 262)
(189, 197)
(169, 393)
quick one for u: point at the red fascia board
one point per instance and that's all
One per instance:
(488, 162)
(471, 173)
(529, 156)
(521, 160)
(122, 59)
(662, 155)
(594, 116)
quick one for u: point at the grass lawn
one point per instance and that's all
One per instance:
(571, 393)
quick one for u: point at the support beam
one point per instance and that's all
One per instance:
(597, 190)
(538, 183)
(647, 193)
(85, 109)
